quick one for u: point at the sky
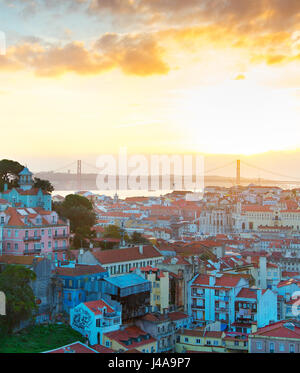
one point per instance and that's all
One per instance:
(80, 78)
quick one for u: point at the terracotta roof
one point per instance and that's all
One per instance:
(19, 259)
(121, 336)
(126, 255)
(80, 270)
(225, 280)
(97, 307)
(76, 347)
(279, 329)
(247, 293)
(200, 333)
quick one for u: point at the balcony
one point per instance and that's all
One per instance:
(31, 252)
(198, 307)
(32, 238)
(63, 248)
(60, 237)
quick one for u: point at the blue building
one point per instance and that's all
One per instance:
(27, 196)
(82, 283)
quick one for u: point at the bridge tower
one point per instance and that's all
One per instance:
(79, 175)
(238, 172)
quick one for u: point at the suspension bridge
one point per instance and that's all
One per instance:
(81, 168)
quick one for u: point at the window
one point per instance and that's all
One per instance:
(292, 348)
(281, 347)
(259, 345)
(198, 341)
(216, 343)
(208, 342)
(16, 247)
(186, 339)
(272, 347)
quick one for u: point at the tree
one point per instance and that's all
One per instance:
(43, 184)
(20, 300)
(9, 173)
(137, 238)
(79, 210)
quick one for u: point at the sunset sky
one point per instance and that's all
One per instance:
(85, 77)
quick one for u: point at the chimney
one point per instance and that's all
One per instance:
(212, 280)
(141, 249)
(253, 328)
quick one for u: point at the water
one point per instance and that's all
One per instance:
(122, 194)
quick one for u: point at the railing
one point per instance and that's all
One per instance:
(60, 236)
(61, 248)
(33, 251)
(32, 238)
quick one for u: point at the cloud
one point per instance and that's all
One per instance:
(134, 54)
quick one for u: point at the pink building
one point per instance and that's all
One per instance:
(32, 231)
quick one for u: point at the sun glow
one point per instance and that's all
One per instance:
(240, 117)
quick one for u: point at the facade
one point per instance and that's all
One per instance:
(280, 337)
(25, 231)
(132, 292)
(254, 306)
(199, 340)
(130, 338)
(121, 261)
(93, 319)
(212, 298)
(159, 279)
(81, 283)
(27, 196)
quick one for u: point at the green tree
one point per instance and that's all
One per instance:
(9, 171)
(79, 210)
(43, 184)
(137, 238)
(20, 300)
(9, 174)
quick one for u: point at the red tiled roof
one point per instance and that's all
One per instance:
(96, 307)
(76, 347)
(279, 330)
(126, 255)
(121, 336)
(80, 270)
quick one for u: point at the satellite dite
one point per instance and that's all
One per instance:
(2, 304)
(2, 43)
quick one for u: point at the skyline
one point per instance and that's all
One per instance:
(84, 78)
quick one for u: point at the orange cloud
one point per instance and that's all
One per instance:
(134, 55)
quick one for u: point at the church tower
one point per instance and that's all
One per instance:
(25, 179)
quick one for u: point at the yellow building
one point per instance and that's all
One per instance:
(199, 340)
(159, 298)
(128, 339)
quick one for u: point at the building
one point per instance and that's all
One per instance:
(160, 292)
(132, 292)
(32, 230)
(130, 338)
(199, 340)
(93, 319)
(120, 261)
(254, 306)
(81, 283)
(212, 298)
(73, 348)
(26, 196)
(280, 337)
